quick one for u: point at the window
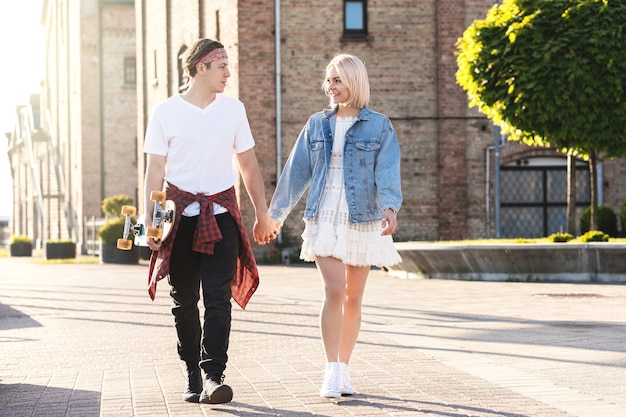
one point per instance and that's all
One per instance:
(217, 25)
(355, 17)
(130, 71)
(182, 77)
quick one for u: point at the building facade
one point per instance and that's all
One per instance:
(81, 145)
(452, 159)
(278, 51)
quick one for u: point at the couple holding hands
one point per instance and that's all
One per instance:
(347, 157)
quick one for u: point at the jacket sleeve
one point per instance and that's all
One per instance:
(387, 170)
(294, 179)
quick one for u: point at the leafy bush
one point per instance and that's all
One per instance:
(607, 221)
(57, 241)
(560, 237)
(20, 239)
(112, 206)
(113, 229)
(594, 236)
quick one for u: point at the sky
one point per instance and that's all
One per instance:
(21, 71)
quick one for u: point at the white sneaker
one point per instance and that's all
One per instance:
(344, 380)
(330, 386)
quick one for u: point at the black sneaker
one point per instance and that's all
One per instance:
(194, 385)
(215, 392)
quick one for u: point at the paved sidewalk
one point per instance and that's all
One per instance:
(85, 340)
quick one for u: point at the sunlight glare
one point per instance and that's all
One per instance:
(21, 47)
(22, 50)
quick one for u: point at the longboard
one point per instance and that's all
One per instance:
(162, 221)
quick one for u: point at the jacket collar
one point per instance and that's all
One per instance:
(363, 114)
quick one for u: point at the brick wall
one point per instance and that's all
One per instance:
(256, 89)
(119, 101)
(410, 56)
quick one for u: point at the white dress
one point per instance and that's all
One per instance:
(331, 234)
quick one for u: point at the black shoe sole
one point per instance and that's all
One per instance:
(222, 394)
(191, 397)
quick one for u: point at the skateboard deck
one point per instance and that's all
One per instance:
(162, 221)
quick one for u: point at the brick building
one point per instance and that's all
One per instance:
(409, 49)
(278, 51)
(82, 147)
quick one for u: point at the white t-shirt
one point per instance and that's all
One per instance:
(199, 144)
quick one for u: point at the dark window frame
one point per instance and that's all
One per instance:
(130, 71)
(182, 77)
(355, 32)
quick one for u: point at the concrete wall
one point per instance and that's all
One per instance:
(533, 262)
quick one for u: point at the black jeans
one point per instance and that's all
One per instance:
(205, 344)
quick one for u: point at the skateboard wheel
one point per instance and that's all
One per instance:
(129, 210)
(154, 232)
(157, 196)
(124, 244)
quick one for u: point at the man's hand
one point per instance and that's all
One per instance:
(154, 244)
(265, 229)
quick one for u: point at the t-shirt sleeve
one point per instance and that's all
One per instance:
(155, 141)
(243, 135)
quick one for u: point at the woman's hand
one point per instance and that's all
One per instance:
(265, 229)
(389, 222)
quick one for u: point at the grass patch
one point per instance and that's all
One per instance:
(516, 241)
(93, 260)
(492, 241)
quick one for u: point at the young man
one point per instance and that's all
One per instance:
(190, 143)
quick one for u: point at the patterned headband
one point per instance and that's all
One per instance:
(214, 55)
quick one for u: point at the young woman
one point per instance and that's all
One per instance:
(349, 159)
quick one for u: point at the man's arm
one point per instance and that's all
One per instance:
(155, 177)
(265, 228)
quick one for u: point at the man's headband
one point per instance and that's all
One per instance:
(214, 55)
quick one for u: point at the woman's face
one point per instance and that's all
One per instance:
(335, 88)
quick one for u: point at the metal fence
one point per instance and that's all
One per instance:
(533, 200)
(5, 234)
(91, 243)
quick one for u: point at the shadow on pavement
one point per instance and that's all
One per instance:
(257, 411)
(31, 400)
(430, 408)
(11, 318)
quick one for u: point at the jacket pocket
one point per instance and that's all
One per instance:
(317, 153)
(367, 151)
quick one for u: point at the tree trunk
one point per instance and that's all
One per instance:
(571, 195)
(593, 188)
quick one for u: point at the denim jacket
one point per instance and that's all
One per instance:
(371, 162)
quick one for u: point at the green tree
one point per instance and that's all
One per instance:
(552, 73)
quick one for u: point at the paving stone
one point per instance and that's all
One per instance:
(85, 340)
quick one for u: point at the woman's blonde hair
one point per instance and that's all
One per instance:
(353, 74)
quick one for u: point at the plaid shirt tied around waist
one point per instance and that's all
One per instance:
(246, 279)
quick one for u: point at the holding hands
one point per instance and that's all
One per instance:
(265, 229)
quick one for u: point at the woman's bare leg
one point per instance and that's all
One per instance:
(333, 275)
(356, 277)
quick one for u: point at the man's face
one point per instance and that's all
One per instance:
(216, 75)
